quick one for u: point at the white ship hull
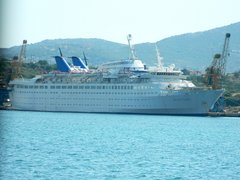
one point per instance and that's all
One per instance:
(112, 98)
(124, 86)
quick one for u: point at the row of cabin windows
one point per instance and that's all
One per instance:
(91, 87)
(119, 93)
(84, 101)
(31, 87)
(91, 105)
(36, 100)
(37, 92)
(165, 73)
(84, 87)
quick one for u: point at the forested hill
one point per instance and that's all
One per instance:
(192, 50)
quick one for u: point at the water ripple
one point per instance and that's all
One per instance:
(38, 145)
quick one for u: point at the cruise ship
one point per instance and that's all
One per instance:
(124, 86)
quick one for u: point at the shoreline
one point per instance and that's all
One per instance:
(223, 114)
(211, 114)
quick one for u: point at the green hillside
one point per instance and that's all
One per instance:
(195, 50)
(192, 50)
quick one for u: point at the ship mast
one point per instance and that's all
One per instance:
(159, 58)
(132, 54)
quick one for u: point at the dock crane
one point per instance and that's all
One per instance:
(18, 61)
(217, 69)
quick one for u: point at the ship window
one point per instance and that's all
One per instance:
(69, 87)
(35, 87)
(99, 87)
(52, 87)
(75, 87)
(58, 87)
(64, 87)
(86, 87)
(80, 87)
(46, 87)
(41, 87)
(26, 87)
(30, 87)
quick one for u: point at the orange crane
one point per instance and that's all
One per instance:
(18, 61)
(217, 69)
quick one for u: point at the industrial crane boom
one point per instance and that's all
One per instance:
(225, 54)
(18, 61)
(217, 69)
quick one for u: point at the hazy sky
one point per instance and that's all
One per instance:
(146, 20)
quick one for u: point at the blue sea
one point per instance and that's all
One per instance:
(42, 145)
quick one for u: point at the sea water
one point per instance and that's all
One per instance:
(42, 145)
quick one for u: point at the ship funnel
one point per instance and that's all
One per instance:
(78, 62)
(62, 64)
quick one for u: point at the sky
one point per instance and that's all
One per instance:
(113, 20)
